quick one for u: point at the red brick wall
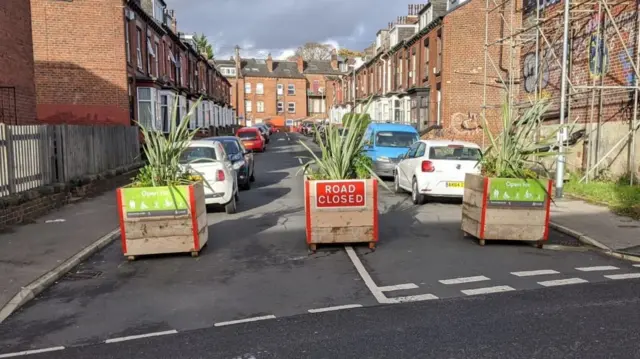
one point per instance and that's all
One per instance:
(270, 98)
(328, 89)
(18, 103)
(80, 64)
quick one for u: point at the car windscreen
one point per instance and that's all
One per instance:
(231, 146)
(395, 139)
(198, 154)
(248, 135)
(454, 152)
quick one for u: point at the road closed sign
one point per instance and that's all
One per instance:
(335, 194)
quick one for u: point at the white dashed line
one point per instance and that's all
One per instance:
(461, 280)
(596, 268)
(29, 352)
(488, 290)
(411, 298)
(557, 282)
(247, 320)
(623, 276)
(531, 273)
(133, 337)
(339, 307)
(391, 288)
(368, 281)
(637, 265)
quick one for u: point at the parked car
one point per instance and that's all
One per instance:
(272, 128)
(252, 139)
(436, 168)
(264, 130)
(209, 159)
(238, 153)
(384, 143)
(307, 128)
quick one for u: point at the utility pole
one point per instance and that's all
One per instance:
(238, 65)
(563, 104)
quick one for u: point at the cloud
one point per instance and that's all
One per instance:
(278, 27)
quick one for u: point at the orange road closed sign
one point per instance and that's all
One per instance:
(335, 194)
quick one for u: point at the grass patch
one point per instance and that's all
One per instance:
(622, 198)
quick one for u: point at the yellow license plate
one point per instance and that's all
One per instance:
(455, 184)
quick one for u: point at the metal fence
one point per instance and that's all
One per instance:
(37, 155)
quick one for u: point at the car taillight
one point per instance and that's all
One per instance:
(219, 175)
(427, 166)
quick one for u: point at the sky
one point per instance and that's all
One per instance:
(278, 27)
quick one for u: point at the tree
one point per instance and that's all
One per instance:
(203, 46)
(314, 51)
(346, 53)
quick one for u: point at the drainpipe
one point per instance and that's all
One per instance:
(384, 81)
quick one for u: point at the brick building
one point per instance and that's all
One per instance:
(17, 86)
(136, 71)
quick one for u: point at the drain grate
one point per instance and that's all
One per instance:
(82, 275)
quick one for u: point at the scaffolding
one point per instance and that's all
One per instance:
(556, 35)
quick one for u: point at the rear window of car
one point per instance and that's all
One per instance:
(231, 146)
(248, 135)
(459, 153)
(395, 139)
(198, 154)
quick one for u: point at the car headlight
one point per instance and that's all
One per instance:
(382, 159)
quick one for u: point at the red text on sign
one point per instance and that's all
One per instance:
(340, 194)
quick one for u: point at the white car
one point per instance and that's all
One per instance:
(209, 159)
(436, 168)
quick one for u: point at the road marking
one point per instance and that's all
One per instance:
(557, 282)
(596, 268)
(487, 290)
(405, 286)
(247, 320)
(623, 276)
(368, 281)
(461, 280)
(300, 160)
(339, 307)
(530, 273)
(133, 337)
(637, 265)
(29, 352)
(411, 298)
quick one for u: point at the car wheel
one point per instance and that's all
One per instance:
(230, 207)
(396, 182)
(252, 178)
(246, 186)
(416, 196)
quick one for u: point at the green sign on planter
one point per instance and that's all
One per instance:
(508, 192)
(155, 201)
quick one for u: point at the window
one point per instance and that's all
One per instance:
(127, 41)
(247, 106)
(147, 103)
(316, 86)
(413, 68)
(426, 60)
(247, 87)
(399, 72)
(413, 149)
(158, 11)
(316, 105)
(291, 107)
(439, 46)
(280, 89)
(198, 154)
(248, 134)
(260, 106)
(164, 112)
(232, 147)
(454, 152)
(260, 88)
(150, 56)
(139, 47)
(395, 139)
(155, 57)
(291, 90)
(280, 107)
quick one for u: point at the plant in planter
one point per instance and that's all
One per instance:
(163, 209)
(341, 190)
(510, 201)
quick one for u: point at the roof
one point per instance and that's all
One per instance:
(393, 127)
(245, 129)
(450, 142)
(320, 67)
(222, 138)
(226, 63)
(281, 69)
(202, 143)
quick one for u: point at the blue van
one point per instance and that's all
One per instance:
(384, 143)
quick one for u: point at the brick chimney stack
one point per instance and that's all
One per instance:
(269, 63)
(334, 59)
(174, 22)
(300, 63)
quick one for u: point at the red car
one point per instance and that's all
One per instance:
(252, 139)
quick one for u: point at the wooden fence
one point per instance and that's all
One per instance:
(37, 155)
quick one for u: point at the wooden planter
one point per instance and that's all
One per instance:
(153, 221)
(506, 209)
(341, 211)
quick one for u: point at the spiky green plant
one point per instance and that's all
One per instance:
(518, 148)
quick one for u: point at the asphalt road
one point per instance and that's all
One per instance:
(256, 268)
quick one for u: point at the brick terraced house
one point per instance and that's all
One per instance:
(136, 71)
(17, 87)
(266, 89)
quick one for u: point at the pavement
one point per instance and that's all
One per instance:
(257, 278)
